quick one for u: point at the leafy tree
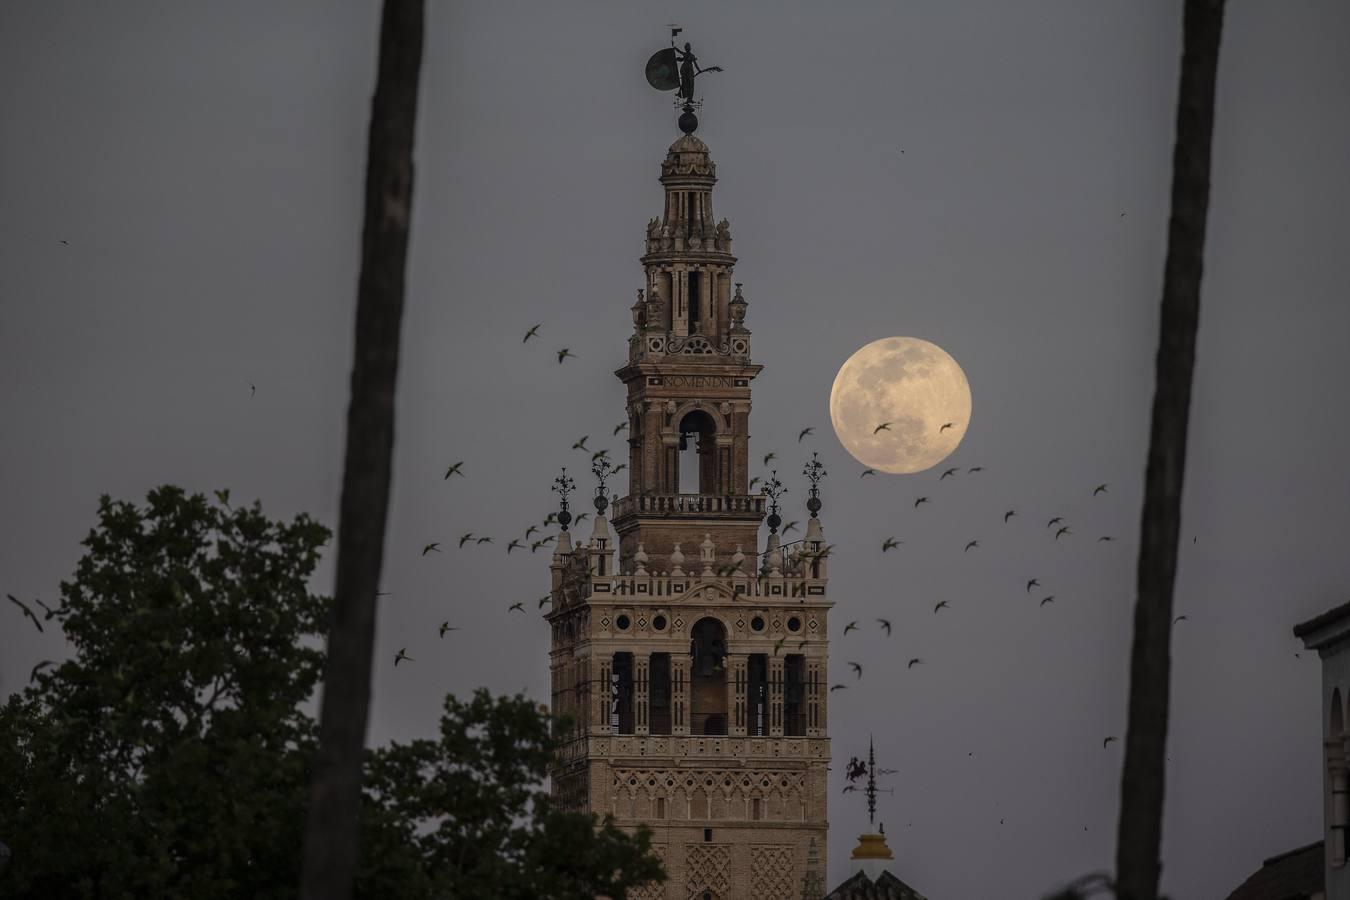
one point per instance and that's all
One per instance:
(171, 756)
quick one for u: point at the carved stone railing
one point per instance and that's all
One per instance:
(690, 748)
(666, 587)
(690, 504)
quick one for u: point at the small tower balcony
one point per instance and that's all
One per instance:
(690, 505)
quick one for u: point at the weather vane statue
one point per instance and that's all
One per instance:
(564, 485)
(674, 69)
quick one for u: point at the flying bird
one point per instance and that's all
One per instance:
(519, 607)
(401, 655)
(1064, 529)
(434, 545)
(913, 662)
(944, 427)
(535, 545)
(886, 624)
(581, 444)
(483, 540)
(1108, 740)
(951, 471)
(941, 604)
(1008, 515)
(38, 668)
(1182, 618)
(547, 598)
(867, 472)
(550, 519)
(920, 500)
(804, 432)
(446, 626)
(581, 517)
(838, 687)
(66, 242)
(223, 496)
(1100, 489)
(778, 645)
(856, 667)
(465, 538)
(619, 468)
(531, 333)
(1031, 583)
(971, 544)
(599, 454)
(529, 531)
(1050, 599)
(791, 526)
(890, 543)
(851, 626)
(252, 389)
(850, 787)
(1105, 537)
(454, 470)
(884, 426)
(620, 427)
(564, 353)
(1055, 521)
(26, 611)
(769, 457)
(514, 545)
(973, 469)
(754, 481)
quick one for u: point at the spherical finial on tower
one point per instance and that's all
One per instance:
(688, 122)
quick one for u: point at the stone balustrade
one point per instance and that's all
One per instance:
(691, 505)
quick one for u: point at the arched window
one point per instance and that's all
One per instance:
(708, 677)
(698, 454)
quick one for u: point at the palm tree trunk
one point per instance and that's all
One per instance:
(330, 848)
(1139, 838)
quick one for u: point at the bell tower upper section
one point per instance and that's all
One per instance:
(688, 375)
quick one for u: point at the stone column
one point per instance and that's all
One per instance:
(600, 723)
(736, 694)
(679, 694)
(775, 696)
(815, 697)
(641, 693)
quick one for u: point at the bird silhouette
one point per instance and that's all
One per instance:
(66, 242)
(531, 333)
(838, 687)
(535, 545)
(619, 468)
(223, 496)
(26, 611)
(851, 626)
(1031, 583)
(1055, 521)
(252, 389)
(401, 655)
(454, 470)
(951, 471)
(550, 519)
(514, 545)
(850, 787)
(581, 444)
(778, 645)
(529, 531)
(1050, 599)
(884, 426)
(920, 500)
(1100, 489)
(769, 457)
(1181, 619)
(886, 624)
(857, 668)
(804, 432)
(867, 472)
(971, 544)
(754, 481)
(483, 540)
(38, 668)
(581, 517)
(1108, 740)
(791, 526)
(1105, 537)
(941, 604)
(1008, 515)
(547, 598)
(914, 662)
(599, 454)
(434, 545)
(519, 606)
(890, 543)
(446, 626)
(620, 427)
(564, 353)
(1064, 529)
(465, 538)
(973, 469)
(945, 427)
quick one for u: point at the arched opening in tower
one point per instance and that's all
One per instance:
(698, 454)
(708, 678)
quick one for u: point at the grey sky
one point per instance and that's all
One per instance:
(204, 161)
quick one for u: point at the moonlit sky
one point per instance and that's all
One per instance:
(204, 161)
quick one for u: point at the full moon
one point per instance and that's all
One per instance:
(911, 387)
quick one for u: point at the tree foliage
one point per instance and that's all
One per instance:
(170, 757)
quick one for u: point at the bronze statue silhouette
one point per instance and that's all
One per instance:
(689, 70)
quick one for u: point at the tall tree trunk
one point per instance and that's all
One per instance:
(1139, 839)
(330, 849)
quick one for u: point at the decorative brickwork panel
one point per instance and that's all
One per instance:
(771, 872)
(655, 890)
(708, 868)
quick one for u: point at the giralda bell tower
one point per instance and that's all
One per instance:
(693, 667)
